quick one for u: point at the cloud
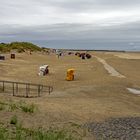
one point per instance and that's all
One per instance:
(34, 12)
(71, 32)
(69, 20)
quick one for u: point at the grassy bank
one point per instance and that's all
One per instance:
(19, 47)
(13, 127)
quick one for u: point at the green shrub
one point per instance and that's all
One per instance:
(22, 106)
(13, 106)
(14, 120)
(3, 103)
(28, 108)
(20, 50)
(19, 134)
(2, 107)
(3, 133)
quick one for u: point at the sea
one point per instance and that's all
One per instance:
(91, 45)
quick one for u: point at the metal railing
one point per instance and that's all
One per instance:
(22, 89)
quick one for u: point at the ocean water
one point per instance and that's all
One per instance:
(91, 45)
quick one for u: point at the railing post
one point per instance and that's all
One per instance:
(3, 88)
(49, 90)
(27, 88)
(38, 90)
(41, 89)
(16, 88)
(13, 89)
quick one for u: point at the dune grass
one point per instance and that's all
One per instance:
(17, 132)
(19, 46)
(20, 106)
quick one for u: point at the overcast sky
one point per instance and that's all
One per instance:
(42, 20)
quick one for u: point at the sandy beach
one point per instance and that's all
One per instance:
(94, 95)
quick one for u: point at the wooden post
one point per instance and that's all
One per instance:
(49, 90)
(16, 88)
(13, 90)
(27, 88)
(38, 90)
(3, 86)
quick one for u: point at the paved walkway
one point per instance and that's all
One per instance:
(134, 91)
(109, 68)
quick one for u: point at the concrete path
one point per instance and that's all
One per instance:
(134, 91)
(109, 68)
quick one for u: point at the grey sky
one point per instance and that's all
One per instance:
(69, 19)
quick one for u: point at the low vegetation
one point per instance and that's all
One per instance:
(2, 107)
(28, 108)
(14, 120)
(19, 47)
(20, 133)
(15, 130)
(21, 106)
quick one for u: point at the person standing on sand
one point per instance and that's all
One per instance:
(58, 55)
